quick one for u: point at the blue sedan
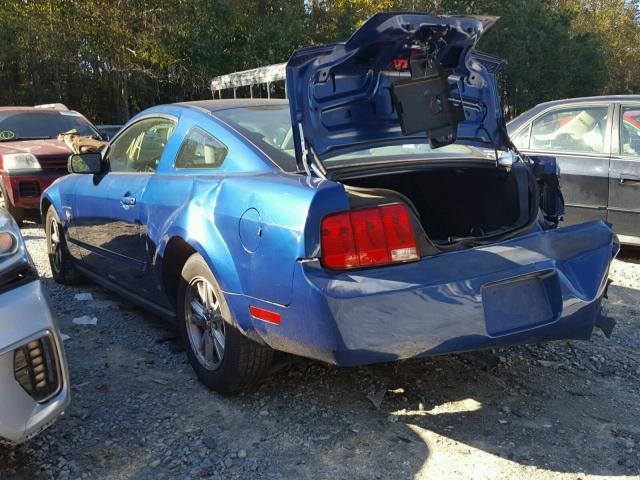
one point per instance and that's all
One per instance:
(379, 214)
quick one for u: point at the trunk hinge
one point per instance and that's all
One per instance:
(310, 162)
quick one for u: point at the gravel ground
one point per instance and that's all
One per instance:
(562, 410)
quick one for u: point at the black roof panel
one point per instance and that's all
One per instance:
(226, 104)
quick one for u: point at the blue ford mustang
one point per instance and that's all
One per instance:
(380, 214)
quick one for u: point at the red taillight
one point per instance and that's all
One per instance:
(368, 237)
(338, 245)
(368, 231)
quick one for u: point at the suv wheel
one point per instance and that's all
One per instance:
(16, 213)
(222, 357)
(62, 268)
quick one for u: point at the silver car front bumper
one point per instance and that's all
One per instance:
(26, 325)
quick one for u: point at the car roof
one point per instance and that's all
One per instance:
(226, 104)
(605, 98)
(9, 108)
(524, 117)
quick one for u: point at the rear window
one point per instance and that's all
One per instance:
(31, 124)
(269, 128)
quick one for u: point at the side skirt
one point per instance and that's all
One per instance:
(165, 313)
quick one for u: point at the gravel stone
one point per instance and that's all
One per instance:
(315, 422)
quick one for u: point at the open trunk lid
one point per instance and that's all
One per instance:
(401, 78)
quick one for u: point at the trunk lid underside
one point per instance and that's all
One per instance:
(351, 96)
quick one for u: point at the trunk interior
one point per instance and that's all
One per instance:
(456, 203)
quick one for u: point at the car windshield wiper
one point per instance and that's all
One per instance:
(17, 139)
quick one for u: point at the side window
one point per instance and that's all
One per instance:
(630, 131)
(580, 130)
(140, 146)
(200, 150)
(521, 141)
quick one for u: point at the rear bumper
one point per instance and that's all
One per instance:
(25, 187)
(542, 286)
(25, 317)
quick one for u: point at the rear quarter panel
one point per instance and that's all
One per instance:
(247, 218)
(250, 228)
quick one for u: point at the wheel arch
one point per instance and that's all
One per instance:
(176, 250)
(47, 200)
(45, 203)
(176, 254)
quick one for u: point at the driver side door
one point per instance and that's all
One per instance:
(108, 216)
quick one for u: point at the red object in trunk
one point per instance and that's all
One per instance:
(401, 64)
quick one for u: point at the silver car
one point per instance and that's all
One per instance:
(34, 380)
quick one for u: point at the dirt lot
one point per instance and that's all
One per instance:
(563, 410)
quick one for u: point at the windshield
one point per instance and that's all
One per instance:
(269, 128)
(37, 124)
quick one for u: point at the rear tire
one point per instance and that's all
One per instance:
(17, 213)
(223, 358)
(62, 267)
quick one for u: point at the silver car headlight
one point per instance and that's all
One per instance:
(16, 265)
(20, 161)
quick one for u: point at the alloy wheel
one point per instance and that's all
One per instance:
(205, 324)
(55, 252)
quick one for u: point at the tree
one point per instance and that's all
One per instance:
(113, 58)
(615, 24)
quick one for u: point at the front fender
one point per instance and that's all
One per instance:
(51, 196)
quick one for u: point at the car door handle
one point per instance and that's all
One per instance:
(128, 201)
(628, 178)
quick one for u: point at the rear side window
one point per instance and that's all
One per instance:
(200, 150)
(578, 129)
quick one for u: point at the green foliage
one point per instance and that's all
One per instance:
(110, 59)
(546, 60)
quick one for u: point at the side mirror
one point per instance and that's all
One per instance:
(85, 163)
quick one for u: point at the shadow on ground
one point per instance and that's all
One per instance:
(563, 409)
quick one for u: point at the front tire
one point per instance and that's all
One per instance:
(18, 214)
(222, 357)
(62, 268)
